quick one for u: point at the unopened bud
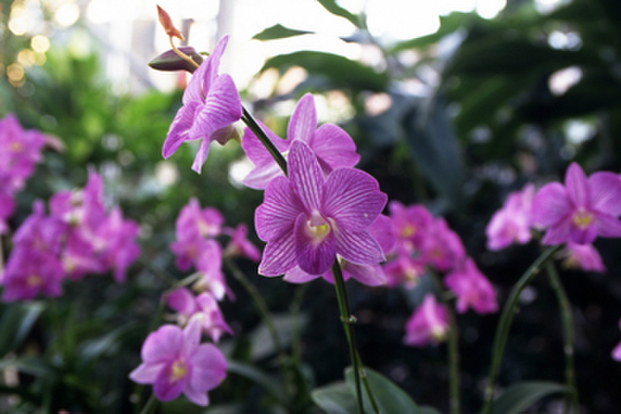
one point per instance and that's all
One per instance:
(170, 61)
(168, 25)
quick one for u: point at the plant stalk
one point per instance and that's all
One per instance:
(504, 325)
(453, 346)
(572, 404)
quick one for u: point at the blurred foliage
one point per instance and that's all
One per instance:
(474, 111)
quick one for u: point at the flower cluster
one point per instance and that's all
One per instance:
(424, 242)
(573, 214)
(20, 151)
(196, 246)
(77, 238)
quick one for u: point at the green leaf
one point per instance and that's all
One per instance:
(518, 397)
(17, 320)
(341, 72)
(278, 31)
(335, 399)
(425, 409)
(29, 365)
(388, 396)
(448, 25)
(334, 8)
(259, 377)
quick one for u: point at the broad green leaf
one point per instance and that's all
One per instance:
(448, 25)
(425, 409)
(334, 8)
(17, 320)
(29, 365)
(278, 31)
(434, 146)
(340, 71)
(256, 375)
(335, 399)
(518, 397)
(388, 396)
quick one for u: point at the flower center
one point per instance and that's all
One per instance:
(582, 219)
(408, 231)
(438, 332)
(15, 146)
(34, 280)
(178, 370)
(317, 228)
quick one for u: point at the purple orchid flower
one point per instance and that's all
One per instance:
(367, 274)
(442, 247)
(428, 324)
(581, 210)
(174, 362)
(239, 245)
(512, 223)
(472, 289)
(308, 219)
(211, 104)
(332, 145)
(410, 224)
(203, 306)
(30, 272)
(583, 256)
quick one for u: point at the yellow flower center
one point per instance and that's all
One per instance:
(582, 219)
(178, 370)
(408, 231)
(317, 228)
(34, 280)
(15, 146)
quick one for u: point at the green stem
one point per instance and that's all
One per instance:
(568, 338)
(149, 407)
(348, 321)
(269, 145)
(504, 325)
(259, 304)
(296, 305)
(453, 345)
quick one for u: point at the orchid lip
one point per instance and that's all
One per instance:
(582, 219)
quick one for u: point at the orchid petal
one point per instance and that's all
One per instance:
(165, 389)
(278, 256)
(222, 108)
(303, 122)
(201, 155)
(305, 176)
(582, 235)
(358, 247)
(256, 151)
(182, 301)
(367, 274)
(192, 335)
(260, 177)
(334, 148)
(314, 257)
(606, 192)
(280, 208)
(551, 204)
(352, 198)
(208, 368)
(382, 231)
(608, 226)
(557, 234)
(162, 345)
(297, 275)
(577, 185)
(146, 373)
(179, 129)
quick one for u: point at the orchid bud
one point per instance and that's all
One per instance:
(170, 61)
(168, 25)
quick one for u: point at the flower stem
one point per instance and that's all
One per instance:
(504, 325)
(150, 405)
(572, 402)
(453, 345)
(259, 303)
(269, 145)
(348, 324)
(183, 55)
